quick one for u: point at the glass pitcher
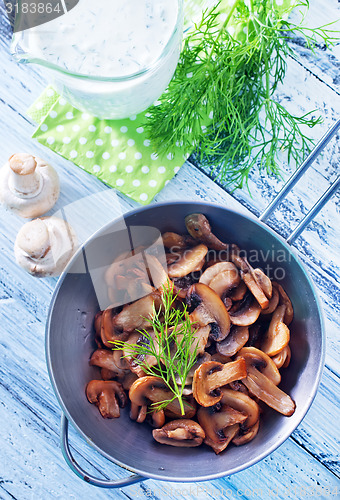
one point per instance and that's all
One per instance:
(112, 97)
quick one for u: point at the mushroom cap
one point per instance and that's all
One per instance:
(190, 261)
(208, 310)
(183, 433)
(42, 184)
(245, 312)
(104, 394)
(212, 375)
(151, 389)
(44, 246)
(199, 228)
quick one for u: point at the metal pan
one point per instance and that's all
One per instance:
(70, 343)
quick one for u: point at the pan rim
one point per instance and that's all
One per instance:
(282, 438)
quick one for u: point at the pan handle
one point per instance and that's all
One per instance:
(294, 179)
(80, 472)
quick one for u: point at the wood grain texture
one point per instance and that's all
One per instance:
(31, 464)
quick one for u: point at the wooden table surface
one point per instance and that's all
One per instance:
(31, 463)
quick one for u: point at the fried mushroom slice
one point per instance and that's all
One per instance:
(190, 261)
(199, 228)
(183, 433)
(175, 241)
(135, 316)
(220, 267)
(108, 332)
(151, 389)
(218, 418)
(255, 289)
(212, 375)
(208, 309)
(282, 358)
(285, 300)
(104, 359)
(245, 312)
(261, 386)
(229, 433)
(276, 338)
(263, 282)
(104, 394)
(236, 339)
(273, 303)
(239, 292)
(243, 437)
(242, 403)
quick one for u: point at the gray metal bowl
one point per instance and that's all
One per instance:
(70, 342)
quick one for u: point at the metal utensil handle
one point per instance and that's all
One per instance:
(294, 179)
(80, 472)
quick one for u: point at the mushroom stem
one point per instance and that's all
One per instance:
(229, 373)
(24, 181)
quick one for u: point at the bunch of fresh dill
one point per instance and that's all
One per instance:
(220, 103)
(171, 342)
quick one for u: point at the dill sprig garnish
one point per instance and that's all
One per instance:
(220, 103)
(171, 343)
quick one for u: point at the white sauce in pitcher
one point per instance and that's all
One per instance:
(107, 37)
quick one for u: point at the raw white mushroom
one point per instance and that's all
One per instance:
(28, 185)
(44, 246)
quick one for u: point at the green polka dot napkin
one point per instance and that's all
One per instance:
(118, 152)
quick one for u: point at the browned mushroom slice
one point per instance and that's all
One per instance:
(220, 358)
(245, 437)
(263, 281)
(135, 362)
(150, 389)
(239, 292)
(242, 403)
(183, 433)
(285, 300)
(229, 433)
(276, 339)
(188, 382)
(262, 386)
(158, 274)
(138, 413)
(255, 289)
(104, 394)
(189, 262)
(212, 375)
(135, 316)
(208, 310)
(199, 228)
(128, 380)
(104, 359)
(282, 359)
(224, 282)
(216, 419)
(175, 241)
(246, 312)
(107, 374)
(158, 418)
(108, 332)
(232, 277)
(261, 361)
(200, 339)
(273, 303)
(182, 285)
(119, 360)
(236, 339)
